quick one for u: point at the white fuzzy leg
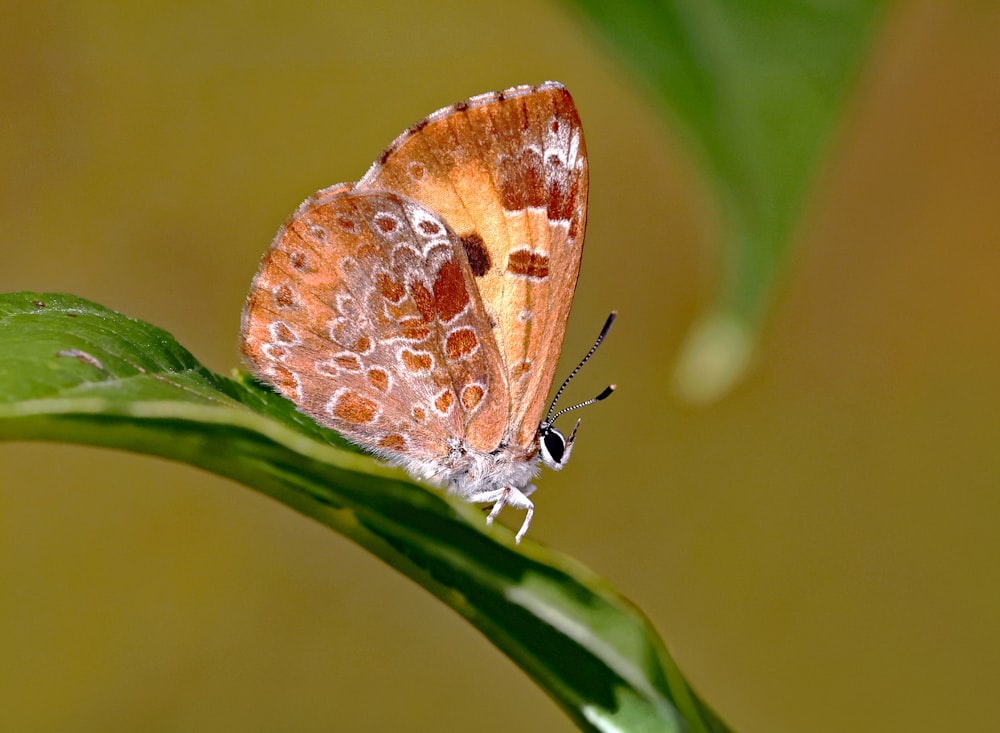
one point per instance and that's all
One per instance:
(495, 511)
(507, 497)
(527, 519)
(487, 497)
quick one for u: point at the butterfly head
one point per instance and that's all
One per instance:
(553, 446)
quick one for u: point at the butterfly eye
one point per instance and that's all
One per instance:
(552, 445)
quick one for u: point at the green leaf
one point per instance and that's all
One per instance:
(757, 88)
(73, 371)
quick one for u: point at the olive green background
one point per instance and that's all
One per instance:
(819, 550)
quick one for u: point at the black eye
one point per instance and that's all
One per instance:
(555, 444)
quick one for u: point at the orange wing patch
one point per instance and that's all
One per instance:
(508, 172)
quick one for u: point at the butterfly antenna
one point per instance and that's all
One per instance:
(603, 395)
(550, 418)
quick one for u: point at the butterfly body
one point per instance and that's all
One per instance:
(421, 311)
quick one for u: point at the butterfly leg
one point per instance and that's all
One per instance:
(507, 497)
(526, 523)
(498, 506)
(519, 500)
(497, 497)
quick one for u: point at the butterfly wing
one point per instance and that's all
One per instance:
(508, 172)
(365, 315)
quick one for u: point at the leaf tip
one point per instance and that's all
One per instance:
(715, 357)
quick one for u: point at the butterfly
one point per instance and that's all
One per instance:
(421, 311)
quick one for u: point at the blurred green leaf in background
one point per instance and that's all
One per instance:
(757, 89)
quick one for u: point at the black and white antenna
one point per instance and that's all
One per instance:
(553, 445)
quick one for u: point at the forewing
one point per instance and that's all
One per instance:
(364, 314)
(508, 172)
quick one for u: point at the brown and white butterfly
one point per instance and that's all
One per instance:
(421, 311)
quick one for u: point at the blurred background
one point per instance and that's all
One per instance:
(818, 549)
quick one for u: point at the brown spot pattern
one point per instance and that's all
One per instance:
(416, 361)
(521, 368)
(297, 260)
(424, 301)
(379, 379)
(284, 296)
(386, 224)
(276, 353)
(347, 224)
(444, 401)
(393, 441)
(348, 362)
(414, 329)
(574, 229)
(529, 264)
(461, 343)
(479, 256)
(368, 251)
(472, 396)
(419, 414)
(353, 408)
(429, 227)
(450, 295)
(391, 289)
(522, 181)
(285, 379)
(283, 334)
(363, 345)
(562, 200)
